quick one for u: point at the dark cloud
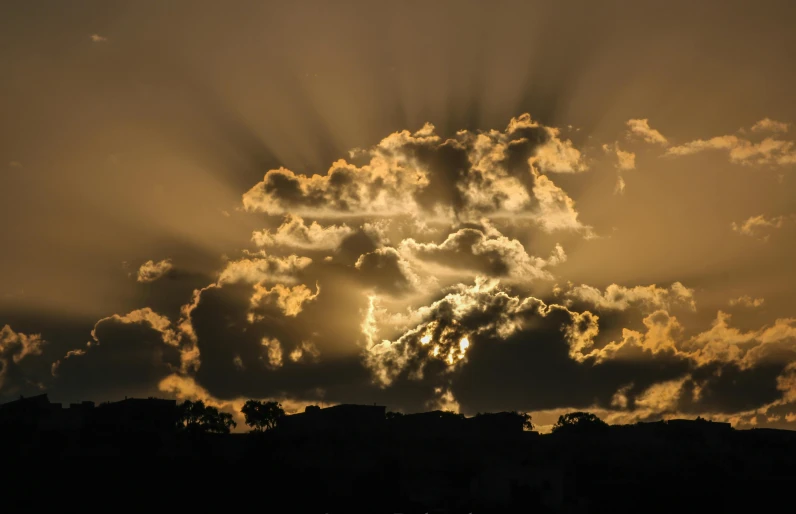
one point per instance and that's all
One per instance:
(729, 389)
(484, 250)
(129, 355)
(386, 271)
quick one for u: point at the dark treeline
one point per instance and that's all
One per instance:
(361, 458)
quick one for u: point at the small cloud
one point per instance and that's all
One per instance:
(96, 38)
(758, 226)
(769, 125)
(619, 189)
(151, 270)
(641, 128)
(14, 164)
(625, 161)
(747, 301)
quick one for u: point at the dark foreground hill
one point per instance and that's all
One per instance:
(627, 469)
(139, 454)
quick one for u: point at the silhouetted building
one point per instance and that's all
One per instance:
(343, 419)
(136, 415)
(701, 425)
(498, 424)
(27, 413)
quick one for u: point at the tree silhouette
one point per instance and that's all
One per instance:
(578, 422)
(262, 415)
(197, 418)
(526, 420)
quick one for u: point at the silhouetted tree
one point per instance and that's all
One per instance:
(218, 422)
(262, 415)
(520, 416)
(578, 422)
(393, 415)
(526, 420)
(197, 418)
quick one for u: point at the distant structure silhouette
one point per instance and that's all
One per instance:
(362, 458)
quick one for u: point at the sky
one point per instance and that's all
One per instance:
(470, 206)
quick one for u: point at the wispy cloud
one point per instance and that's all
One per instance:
(769, 125)
(759, 226)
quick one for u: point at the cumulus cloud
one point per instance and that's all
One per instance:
(151, 270)
(720, 344)
(641, 128)
(374, 317)
(484, 250)
(127, 355)
(650, 297)
(386, 270)
(290, 299)
(466, 177)
(725, 343)
(663, 331)
(294, 233)
(259, 268)
(448, 328)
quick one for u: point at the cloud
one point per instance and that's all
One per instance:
(759, 226)
(721, 344)
(416, 274)
(294, 233)
(306, 350)
(447, 329)
(273, 352)
(616, 297)
(96, 38)
(290, 299)
(484, 250)
(769, 151)
(641, 128)
(421, 174)
(260, 267)
(625, 161)
(769, 125)
(619, 189)
(146, 316)
(127, 355)
(151, 270)
(385, 270)
(14, 348)
(747, 301)
(15, 164)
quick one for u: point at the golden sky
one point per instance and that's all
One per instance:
(475, 206)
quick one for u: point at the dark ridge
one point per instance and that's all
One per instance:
(361, 458)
